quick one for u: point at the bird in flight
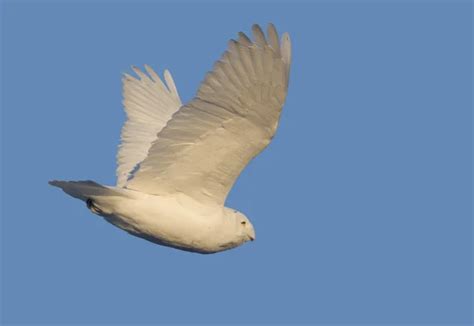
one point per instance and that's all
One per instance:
(177, 163)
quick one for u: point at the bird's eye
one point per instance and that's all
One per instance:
(243, 222)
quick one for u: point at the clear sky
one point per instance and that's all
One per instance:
(361, 204)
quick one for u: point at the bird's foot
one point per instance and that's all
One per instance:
(90, 205)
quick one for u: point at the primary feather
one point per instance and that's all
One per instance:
(149, 104)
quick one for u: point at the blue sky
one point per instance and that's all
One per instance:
(361, 204)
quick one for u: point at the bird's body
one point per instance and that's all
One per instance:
(176, 163)
(175, 221)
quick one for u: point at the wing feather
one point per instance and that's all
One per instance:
(273, 38)
(149, 104)
(207, 143)
(259, 36)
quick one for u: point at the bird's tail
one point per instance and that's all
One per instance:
(85, 190)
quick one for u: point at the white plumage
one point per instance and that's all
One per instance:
(149, 105)
(177, 164)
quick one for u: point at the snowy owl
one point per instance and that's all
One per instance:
(177, 163)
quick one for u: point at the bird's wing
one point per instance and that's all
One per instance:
(149, 104)
(233, 117)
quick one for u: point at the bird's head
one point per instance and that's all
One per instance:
(242, 224)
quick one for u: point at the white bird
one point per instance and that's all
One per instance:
(177, 163)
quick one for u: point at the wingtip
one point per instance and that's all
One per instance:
(271, 28)
(147, 67)
(127, 77)
(232, 43)
(170, 84)
(256, 27)
(244, 39)
(139, 72)
(285, 37)
(149, 70)
(286, 48)
(258, 35)
(272, 36)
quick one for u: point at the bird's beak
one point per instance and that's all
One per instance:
(251, 235)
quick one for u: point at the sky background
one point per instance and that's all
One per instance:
(361, 204)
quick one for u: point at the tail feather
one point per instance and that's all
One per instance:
(84, 190)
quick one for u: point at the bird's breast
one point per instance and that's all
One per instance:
(171, 221)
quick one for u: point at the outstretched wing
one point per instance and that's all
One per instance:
(149, 104)
(210, 140)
